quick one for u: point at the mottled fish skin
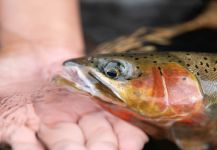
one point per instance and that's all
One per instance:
(204, 67)
(173, 92)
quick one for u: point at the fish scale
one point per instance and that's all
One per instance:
(204, 66)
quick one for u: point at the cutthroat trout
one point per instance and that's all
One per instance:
(169, 95)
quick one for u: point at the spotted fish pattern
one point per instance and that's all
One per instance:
(167, 94)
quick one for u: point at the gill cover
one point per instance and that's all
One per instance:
(162, 91)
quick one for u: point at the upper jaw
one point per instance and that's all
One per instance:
(86, 81)
(79, 75)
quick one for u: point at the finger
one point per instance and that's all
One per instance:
(129, 137)
(98, 132)
(25, 139)
(62, 136)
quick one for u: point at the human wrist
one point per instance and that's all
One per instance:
(35, 36)
(32, 24)
(28, 63)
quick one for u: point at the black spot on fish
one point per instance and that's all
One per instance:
(196, 66)
(189, 59)
(184, 78)
(214, 69)
(205, 58)
(201, 63)
(180, 61)
(155, 61)
(140, 75)
(159, 68)
(137, 67)
(198, 73)
(145, 57)
(188, 65)
(207, 65)
(136, 58)
(206, 70)
(187, 54)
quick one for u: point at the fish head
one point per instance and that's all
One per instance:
(135, 85)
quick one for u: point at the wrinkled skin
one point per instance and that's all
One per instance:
(58, 118)
(33, 43)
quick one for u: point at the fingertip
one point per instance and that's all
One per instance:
(97, 128)
(101, 145)
(24, 138)
(67, 145)
(132, 141)
(129, 137)
(62, 136)
(26, 146)
(98, 132)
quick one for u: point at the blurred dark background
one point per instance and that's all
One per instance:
(104, 20)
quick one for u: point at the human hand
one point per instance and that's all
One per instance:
(79, 124)
(34, 115)
(61, 120)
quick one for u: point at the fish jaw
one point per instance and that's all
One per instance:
(78, 76)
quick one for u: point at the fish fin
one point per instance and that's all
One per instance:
(133, 42)
(188, 144)
(211, 106)
(191, 137)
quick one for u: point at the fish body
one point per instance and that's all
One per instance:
(167, 94)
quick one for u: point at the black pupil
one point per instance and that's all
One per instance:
(112, 73)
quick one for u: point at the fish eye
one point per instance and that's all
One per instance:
(112, 73)
(121, 70)
(113, 69)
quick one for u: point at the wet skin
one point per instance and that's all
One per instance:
(167, 94)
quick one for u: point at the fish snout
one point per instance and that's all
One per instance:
(78, 62)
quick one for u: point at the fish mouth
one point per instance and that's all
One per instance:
(83, 79)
